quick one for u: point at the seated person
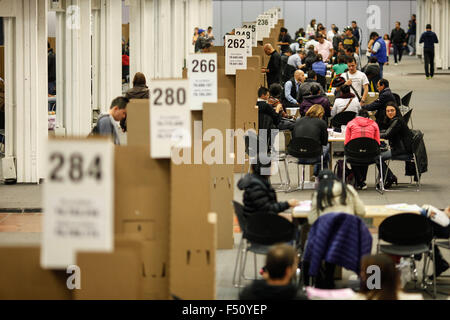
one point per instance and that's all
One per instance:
(340, 67)
(372, 71)
(347, 101)
(305, 88)
(320, 68)
(440, 232)
(312, 126)
(259, 196)
(361, 127)
(268, 118)
(379, 105)
(281, 265)
(310, 58)
(389, 283)
(315, 98)
(333, 195)
(400, 139)
(291, 89)
(275, 92)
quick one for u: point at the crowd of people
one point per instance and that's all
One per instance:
(298, 70)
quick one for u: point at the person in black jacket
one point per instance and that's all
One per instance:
(281, 264)
(259, 196)
(273, 69)
(400, 139)
(379, 105)
(268, 117)
(312, 126)
(398, 38)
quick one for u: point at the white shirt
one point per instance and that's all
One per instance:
(339, 105)
(359, 79)
(324, 49)
(330, 35)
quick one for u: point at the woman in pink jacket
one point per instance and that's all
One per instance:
(361, 127)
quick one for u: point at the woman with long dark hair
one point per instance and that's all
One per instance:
(400, 139)
(333, 195)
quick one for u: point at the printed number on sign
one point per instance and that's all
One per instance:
(76, 171)
(203, 66)
(170, 96)
(253, 27)
(236, 43)
(247, 34)
(263, 22)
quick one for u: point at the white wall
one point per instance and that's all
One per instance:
(230, 14)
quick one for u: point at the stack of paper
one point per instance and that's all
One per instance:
(304, 206)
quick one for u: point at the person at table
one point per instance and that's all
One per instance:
(312, 126)
(315, 98)
(357, 81)
(340, 67)
(390, 286)
(281, 265)
(320, 68)
(372, 71)
(259, 196)
(275, 92)
(273, 69)
(400, 139)
(292, 89)
(361, 127)
(347, 101)
(333, 195)
(305, 88)
(324, 48)
(440, 232)
(268, 116)
(310, 58)
(379, 105)
(284, 40)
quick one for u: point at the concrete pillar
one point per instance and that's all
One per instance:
(26, 87)
(73, 67)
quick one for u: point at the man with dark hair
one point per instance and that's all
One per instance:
(51, 59)
(268, 117)
(107, 123)
(398, 39)
(378, 50)
(379, 105)
(428, 38)
(281, 264)
(273, 69)
(350, 40)
(284, 40)
(357, 32)
(411, 35)
(305, 88)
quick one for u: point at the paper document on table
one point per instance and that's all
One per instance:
(304, 206)
(404, 207)
(333, 294)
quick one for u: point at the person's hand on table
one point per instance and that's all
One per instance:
(293, 203)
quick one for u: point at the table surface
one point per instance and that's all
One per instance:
(371, 212)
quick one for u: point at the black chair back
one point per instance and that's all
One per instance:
(398, 101)
(406, 229)
(407, 116)
(268, 229)
(304, 148)
(239, 211)
(362, 150)
(342, 118)
(406, 99)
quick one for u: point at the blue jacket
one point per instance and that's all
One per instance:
(428, 38)
(381, 53)
(320, 68)
(338, 238)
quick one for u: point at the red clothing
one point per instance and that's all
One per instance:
(125, 60)
(361, 127)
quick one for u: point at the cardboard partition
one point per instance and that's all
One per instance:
(112, 276)
(227, 89)
(255, 62)
(193, 233)
(138, 123)
(218, 116)
(259, 51)
(220, 62)
(220, 50)
(2, 62)
(52, 42)
(246, 116)
(126, 32)
(184, 74)
(142, 208)
(22, 278)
